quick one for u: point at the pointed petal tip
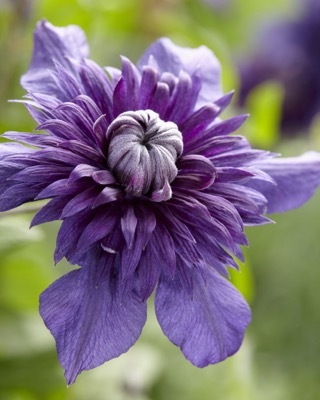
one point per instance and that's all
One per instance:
(71, 377)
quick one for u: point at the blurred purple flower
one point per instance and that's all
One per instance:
(288, 52)
(152, 190)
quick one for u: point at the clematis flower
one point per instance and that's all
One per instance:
(153, 192)
(288, 52)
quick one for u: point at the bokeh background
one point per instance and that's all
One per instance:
(272, 43)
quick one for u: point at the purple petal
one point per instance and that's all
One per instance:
(128, 225)
(53, 44)
(68, 236)
(182, 99)
(148, 85)
(98, 228)
(297, 178)
(84, 199)
(107, 195)
(160, 99)
(103, 177)
(33, 140)
(195, 172)
(89, 320)
(197, 122)
(97, 86)
(207, 324)
(137, 228)
(81, 171)
(167, 57)
(163, 249)
(51, 211)
(148, 273)
(18, 194)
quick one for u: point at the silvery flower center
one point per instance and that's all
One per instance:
(142, 153)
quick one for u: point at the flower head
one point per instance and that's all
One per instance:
(288, 52)
(152, 190)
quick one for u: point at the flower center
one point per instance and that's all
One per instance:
(142, 153)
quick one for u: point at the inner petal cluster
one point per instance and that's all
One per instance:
(142, 153)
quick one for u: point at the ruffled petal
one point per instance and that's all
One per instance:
(296, 178)
(165, 56)
(89, 320)
(52, 44)
(208, 321)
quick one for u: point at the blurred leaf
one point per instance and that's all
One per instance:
(14, 231)
(243, 279)
(128, 377)
(264, 105)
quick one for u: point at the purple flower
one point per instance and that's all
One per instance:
(288, 52)
(153, 192)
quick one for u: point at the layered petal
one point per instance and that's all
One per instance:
(89, 319)
(165, 56)
(296, 180)
(206, 322)
(53, 44)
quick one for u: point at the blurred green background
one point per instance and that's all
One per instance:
(280, 358)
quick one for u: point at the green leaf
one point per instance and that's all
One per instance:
(264, 105)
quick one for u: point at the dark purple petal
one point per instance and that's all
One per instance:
(91, 154)
(97, 86)
(101, 225)
(149, 79)
(296, 178)
(160, 100)
(51, 211)
(165, 56)
(62, 156)
(197, 122)
(195, 172)
(69, 85)
(41, 174)
(78, 116)
(62, 187)
(81, 201)
(231, 174)
(132, 78)
(53, 44)
(107, 195)
(243, 198)
(137, 227)
(114, 243)
(120, 98)
(148, 273)
(103, 177)
(81, 171)
(225, 212)
(89, 320)
(32, 139)
(163, 249)
(225, 100)
(128, 225)
(68, 236)
(18, 194)
(208, 325)
(182, 100)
